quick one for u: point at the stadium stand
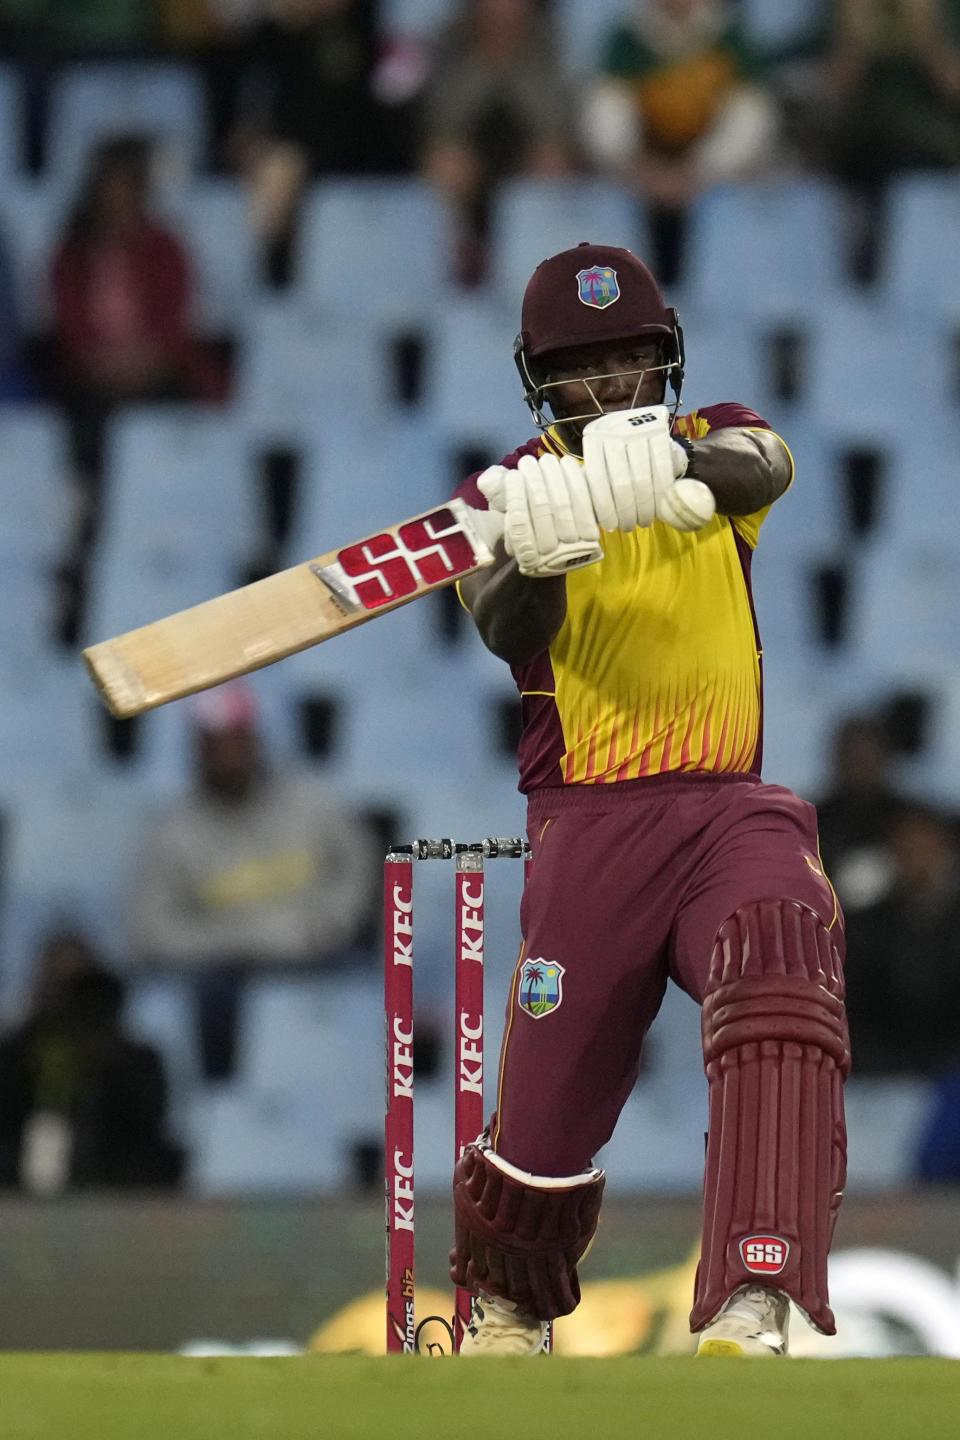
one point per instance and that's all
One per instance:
(317, 380)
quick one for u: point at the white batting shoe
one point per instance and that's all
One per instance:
(754, 1321)
(497, 1327)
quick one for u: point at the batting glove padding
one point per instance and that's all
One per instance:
(631, 463)
(549, 523)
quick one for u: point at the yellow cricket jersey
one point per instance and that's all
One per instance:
(657, 665)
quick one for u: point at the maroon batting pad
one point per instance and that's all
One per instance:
(520, 1241)
(776, 1052)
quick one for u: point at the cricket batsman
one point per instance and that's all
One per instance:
(621, 599)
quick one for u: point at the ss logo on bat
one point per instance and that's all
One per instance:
(425, 551)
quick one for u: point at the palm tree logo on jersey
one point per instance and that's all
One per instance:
(598, 286)
(540, 991)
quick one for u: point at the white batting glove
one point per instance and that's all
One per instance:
(549, 523)
(631, 462)
(687, 505)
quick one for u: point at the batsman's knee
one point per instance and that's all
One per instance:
(521, 1236)
(776, 974)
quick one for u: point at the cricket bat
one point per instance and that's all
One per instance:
(261, 623)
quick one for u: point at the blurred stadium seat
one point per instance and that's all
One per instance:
(12, 116)
(296, 372)
(92, 102)
(920, 277)
(583, 28)
(904, 607)
(414, 17)
(532, 219)
(34, 211)
(869, 374)
(310, 1086)
(212, 217)
(373, 251)
(473, 392)
(180, 518)
(36, 497)
(180, 476)
(770, 248)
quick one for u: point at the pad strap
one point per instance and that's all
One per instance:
(776, 1052)
(519, 1236)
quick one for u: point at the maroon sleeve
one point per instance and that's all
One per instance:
(467, 489)
(729, 415)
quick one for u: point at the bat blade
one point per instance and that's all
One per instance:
(258, 624)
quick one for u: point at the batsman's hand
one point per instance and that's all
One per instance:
(631, 463)
(549, 523)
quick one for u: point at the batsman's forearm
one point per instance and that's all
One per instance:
(745, 469)
(518, 617)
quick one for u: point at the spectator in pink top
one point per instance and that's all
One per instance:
(122, 292)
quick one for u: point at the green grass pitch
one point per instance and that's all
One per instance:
(168, 1397)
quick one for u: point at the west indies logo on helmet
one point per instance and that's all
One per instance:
(592, 295)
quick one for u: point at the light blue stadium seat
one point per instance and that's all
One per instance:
(129, 587)
(774, 23)
(869, 376)
(246, 1142)
(532, 219)
(920, 498)
(212, 218)
(919, 274)
(27, 619)
(12, 115)
(310, 1085)
(49, 713)
(770, 248)
(810, 519)
(884, 1121)
(374, 250)
(414, 17)
(725, 360)
(35, 484)
(583, 28)
(473, 390)
(72, 837)
(91, 102)
(903, 612)
(180, 475)
(296, 373)
(34, 214)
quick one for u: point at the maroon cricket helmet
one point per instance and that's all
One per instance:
(590, 294)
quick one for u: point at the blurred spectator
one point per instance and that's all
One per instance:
(681, 106)
(313, 104)
(254, 870)
(882, 97)
(81, 1103)
(76, 25)
(903, 956)
(498, 104)
(857, 812)
(121, 294)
